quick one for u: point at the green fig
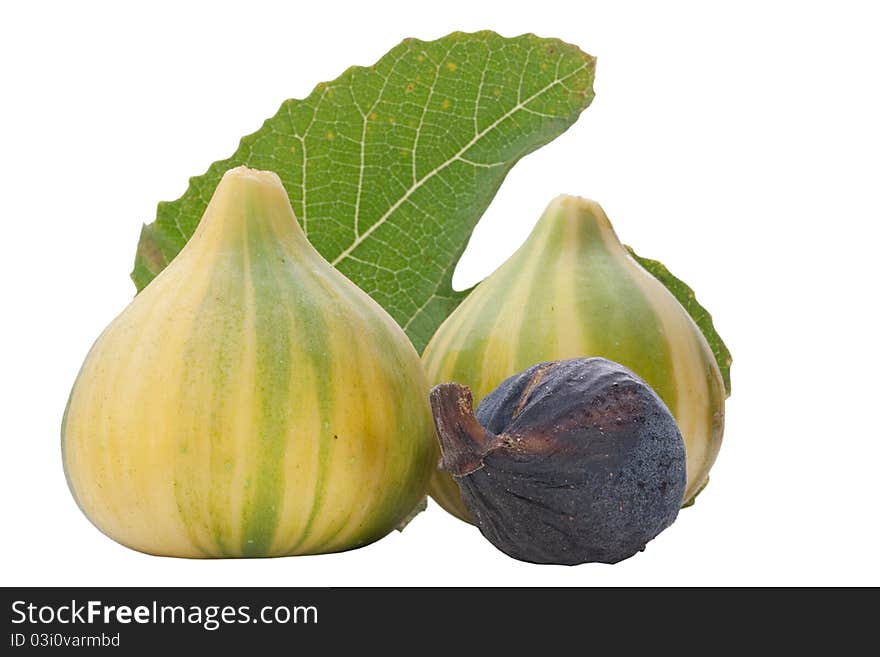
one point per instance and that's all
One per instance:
(573, 290)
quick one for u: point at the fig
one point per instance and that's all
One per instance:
(573, 290)
(251, 401)
(569, 462)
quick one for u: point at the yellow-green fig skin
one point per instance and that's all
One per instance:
(573, 290)
(251, 401)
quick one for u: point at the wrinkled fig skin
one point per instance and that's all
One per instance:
(569, 462)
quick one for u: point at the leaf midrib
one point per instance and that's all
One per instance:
(359, 239)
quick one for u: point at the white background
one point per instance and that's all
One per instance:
(739, 145)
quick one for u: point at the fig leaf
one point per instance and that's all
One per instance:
(389, 167)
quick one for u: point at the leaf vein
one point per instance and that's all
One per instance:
(418, 184)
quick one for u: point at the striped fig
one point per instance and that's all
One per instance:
(573, 290)
(251, 401)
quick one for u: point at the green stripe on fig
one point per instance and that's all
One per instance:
(533, 316)
(686, 297)
(219, 493)
(316, 346)
(204, 330)
(273, 346)
(642, 347)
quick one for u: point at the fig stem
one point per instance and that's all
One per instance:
(463, 440)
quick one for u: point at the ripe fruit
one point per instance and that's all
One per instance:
(568, 462)
(251, 401)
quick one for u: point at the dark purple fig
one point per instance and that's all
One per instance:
(569, 462)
